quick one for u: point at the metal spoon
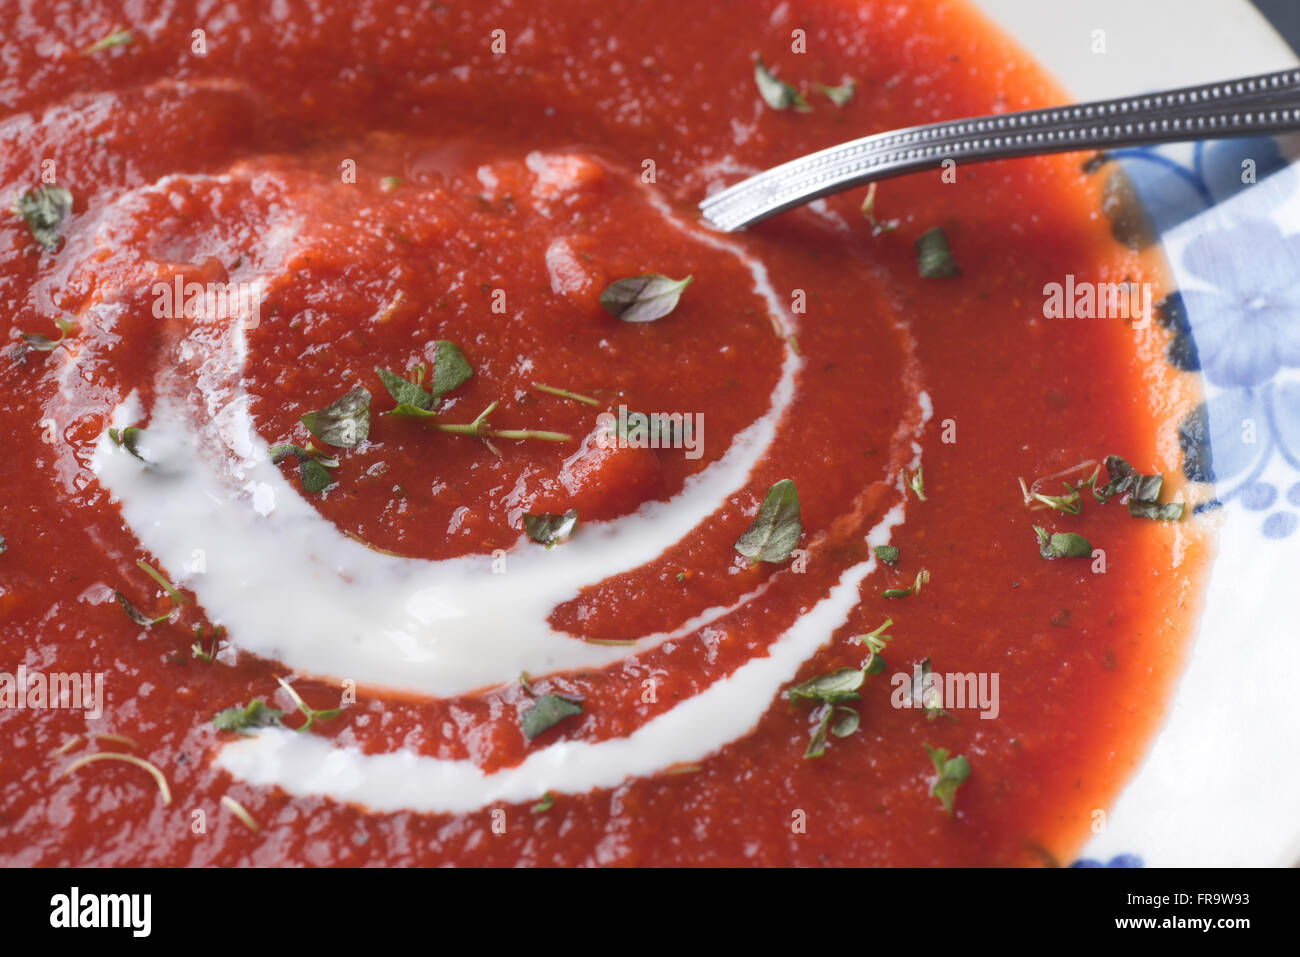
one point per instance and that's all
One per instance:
(1249, 106)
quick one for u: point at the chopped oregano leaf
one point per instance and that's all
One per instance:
(314, 476)
(450, 368)
(839, 95)
(869, 213)
(545, 804)
(830, 691)
(1062, 545)
(835, 687)
(887, 554)
(1069, 503)
(345, 422)
(128, 438)
(44, 209)
(313, 469)
(916, 482)
(950, 774)
(1120, 475)
(115, 39)
(875, 642)
(1142, 491)
(547, 528)
(643, 298)
(922, 578)
(776, 528)
(776, 93)
(933, 709)
(136, 615)
(548, 711)
(817, 740)
(139, 617)
(1147, 488)
(482, 429)
(258, 714)
(157, 576)
(208, 654)
(40, 343)
(566, 394)
(1169, 512)
(847, 724)
(390, 183)
(411, 398)
(934, 256)
(641, 427)
(313, 715)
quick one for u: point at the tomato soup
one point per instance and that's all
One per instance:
(420, 480)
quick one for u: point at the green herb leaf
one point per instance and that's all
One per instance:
(916, 482)
(776, 528)
(566, 394)
(918, 695)
(206, 654)
(887, 554)
(1143, 491)
(549, 529)
(545, 804)
(922, 578)
(1121, 476)
(1062, 545)
(115, 39)
(345, 422)
(129, 439)
(44, 209)
(876, 640)
(776, 93)
(1169, 512)
(450, 368)
(643, 298)
(839, 95)
(314, 476)
(157, 576)
(548, 711)
(835, 687)
(1069, 503)
(313, 470)
(390, 183)
(258, 714)
(40, 343)
(847, 724)
(136, 615)
(408, 396)
(313, 715)
(869, 212)
(950, 774)
(934, 256)
(817, 740)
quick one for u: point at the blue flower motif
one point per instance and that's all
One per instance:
(1239, 323)
(1245, 328)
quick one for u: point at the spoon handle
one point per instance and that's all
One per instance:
(1250, 106)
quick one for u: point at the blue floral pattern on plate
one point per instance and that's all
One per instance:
(1236, 321)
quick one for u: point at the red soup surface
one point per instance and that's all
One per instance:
(380, 178)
